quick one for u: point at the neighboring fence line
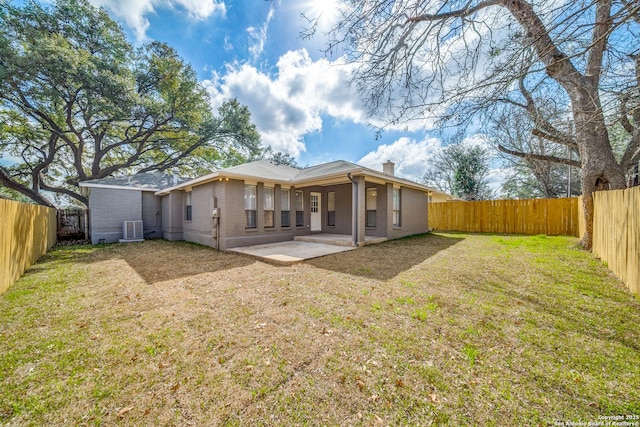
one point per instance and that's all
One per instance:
(26, 233)
(616, 233)
(530, 216)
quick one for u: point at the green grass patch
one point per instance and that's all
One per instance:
(439, 329)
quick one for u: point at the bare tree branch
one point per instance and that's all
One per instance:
(545, 158)
(8, 182)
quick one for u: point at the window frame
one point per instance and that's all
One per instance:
(300, 208)
(188, 207)
(396, 207)
(285, 208)
(250, 206)
(268, 206)
(331, 208)
(371, 214)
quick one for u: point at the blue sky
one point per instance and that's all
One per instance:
(299, 98)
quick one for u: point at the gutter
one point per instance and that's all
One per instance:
(354, 232)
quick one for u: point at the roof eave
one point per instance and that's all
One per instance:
(297, 182)
(191, 183)
(88, 184)
(403, 181)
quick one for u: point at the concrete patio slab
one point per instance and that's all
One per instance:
(338, 239)
(290, 252)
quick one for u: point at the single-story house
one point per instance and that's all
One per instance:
(259, 202)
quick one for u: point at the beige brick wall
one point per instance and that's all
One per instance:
(109, 208)
(173, 212)
(380, 229)
(228, 196)
(200, 228)
(413, 213)
(233, 231)
(151, 215)
(343, 209)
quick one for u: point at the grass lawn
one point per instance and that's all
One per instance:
(441, 329)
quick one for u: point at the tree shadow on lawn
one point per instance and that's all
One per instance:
(600, 311)
(153, 260)
(386, 260)
(160, 260)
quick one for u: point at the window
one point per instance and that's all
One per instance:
(285, 208)
(299, 209)
(188, 210)
(250, 205)
(268, 205)
(331, 208)
(396, 207)
(371, 206)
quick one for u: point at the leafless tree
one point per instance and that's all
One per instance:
(531, 176)
(451, 58)
(542, 167)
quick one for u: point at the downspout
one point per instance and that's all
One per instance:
(354, 232)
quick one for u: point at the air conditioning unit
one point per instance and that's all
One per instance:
(132, 231)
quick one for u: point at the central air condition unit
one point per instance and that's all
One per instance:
(132, 231)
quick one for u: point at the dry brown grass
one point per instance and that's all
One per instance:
(437, 329)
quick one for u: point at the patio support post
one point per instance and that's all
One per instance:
(362, 210)
(354, 209)
(358, 212)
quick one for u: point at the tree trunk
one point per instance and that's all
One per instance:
(600, 171)
(599, 167)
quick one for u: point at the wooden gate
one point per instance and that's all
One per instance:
(72, 224)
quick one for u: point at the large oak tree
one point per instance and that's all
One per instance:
(78, 102)
(451, 58)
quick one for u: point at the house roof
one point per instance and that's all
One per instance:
(263, 169)
(146, 181)
(331, 168)
(325, 173)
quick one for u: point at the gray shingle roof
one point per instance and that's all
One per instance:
(261, 169)
(152, 180)
(264, 169)
(331, 168)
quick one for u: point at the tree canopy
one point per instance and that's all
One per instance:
(78, 102)
(451, 59)
(461, 170)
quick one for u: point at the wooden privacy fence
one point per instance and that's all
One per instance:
(531, 216)
(26, 233)
(616, 233)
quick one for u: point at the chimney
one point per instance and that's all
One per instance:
(388, 167)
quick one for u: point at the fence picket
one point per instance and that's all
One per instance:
(26, 233)
(532, 216)
(616, 224)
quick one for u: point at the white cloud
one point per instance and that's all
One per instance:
(411, 157)
(291, 103)
(133, 12)
(323, 13)
(496, 179)
(201, 9)
(227, 44)
(258, 37)
(477, 140)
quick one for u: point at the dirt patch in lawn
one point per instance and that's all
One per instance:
(434, 329)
